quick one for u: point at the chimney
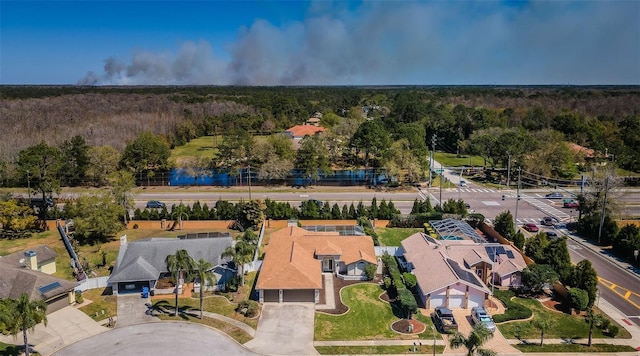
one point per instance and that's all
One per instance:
(123, 240)
(31, 259)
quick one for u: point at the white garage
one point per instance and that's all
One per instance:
(476, 299)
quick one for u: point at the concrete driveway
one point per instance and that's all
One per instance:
(498, 343)
(158, 339)
(132, 309)
(64, 327)
(285, 329)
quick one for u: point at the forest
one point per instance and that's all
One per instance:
(91, 131)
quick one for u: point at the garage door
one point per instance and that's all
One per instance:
(271, 295)
(437, 301)
(476, 299)
(57, 303)
(456, 301)
(299, 295)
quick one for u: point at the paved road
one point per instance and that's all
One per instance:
(624, 281)
(158, 339)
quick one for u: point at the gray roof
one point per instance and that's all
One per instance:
(17, 280)
(144, 260)
(43, 253)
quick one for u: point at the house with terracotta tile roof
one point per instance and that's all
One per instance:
(295, 260)
(298, 132)
(455, 273)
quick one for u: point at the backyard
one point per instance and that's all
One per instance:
(393, 236)
(368, 318)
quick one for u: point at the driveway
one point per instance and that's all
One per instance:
(285, 329)
(132, 309)
(158, 339)
(64, 327)
(497, 343)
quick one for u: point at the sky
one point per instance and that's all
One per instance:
(146, 42)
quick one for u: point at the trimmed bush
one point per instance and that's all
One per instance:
(515, 311)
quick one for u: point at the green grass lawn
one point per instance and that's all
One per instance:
(377, 350)
(201, 146)
(574, 348)
(100, 301)
(562, 325)
(452, 160)
(393, 236)
(368, 318)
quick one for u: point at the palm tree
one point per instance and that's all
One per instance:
(178, 213)
(478, 336)
(594, 320)
(542, 324)
(205, 275)
(23, 314)
(242, 252)
(177, 264)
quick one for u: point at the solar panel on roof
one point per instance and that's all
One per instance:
(510, 254)
(49, 287)
(464, 274)
(500, 250)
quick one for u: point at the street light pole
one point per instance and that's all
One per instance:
(508, 168)
(29, 186)
(433, 329)
(515, 217)
(249, 176)
(604, 207)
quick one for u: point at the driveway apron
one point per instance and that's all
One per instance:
(132, 309)
(285, 329)
(497, 343)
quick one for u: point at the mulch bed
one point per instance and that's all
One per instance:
(556, 305)
(402, 326)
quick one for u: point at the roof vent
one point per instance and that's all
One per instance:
(29, 253)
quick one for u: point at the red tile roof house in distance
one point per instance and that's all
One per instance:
(295, 260)
(454, 273)
(298, 132)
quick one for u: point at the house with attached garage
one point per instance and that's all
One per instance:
(141, 263)
(455, 273)
(31, 272)
(296, 259)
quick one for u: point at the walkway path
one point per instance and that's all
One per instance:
(329, 293)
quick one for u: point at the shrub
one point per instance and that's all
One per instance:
(135, 226)
(79, 298)
(248, 308)
(370, 271)
(515, 311)
(613, 330)
(410, 280)
(387, 282)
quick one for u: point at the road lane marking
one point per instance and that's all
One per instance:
(627, 295)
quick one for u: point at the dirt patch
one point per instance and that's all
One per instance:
(408, 326)
(556, 305)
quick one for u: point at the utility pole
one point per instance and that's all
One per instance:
(508, 168)
(433, 147)
(459, 180)
(604, 207)
(515, 217)
(249, 177)
(441, 181)
(29, 186)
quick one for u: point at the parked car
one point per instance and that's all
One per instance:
(480, 315)
(531, 227)
(571, 204)
(154, 204)
(554, 195)
(444, 320)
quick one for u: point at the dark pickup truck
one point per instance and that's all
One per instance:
(444, 320)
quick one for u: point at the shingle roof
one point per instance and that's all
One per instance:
(145, 259)
(290, 261)
(434, 267)
(17, 280)
(43, 253)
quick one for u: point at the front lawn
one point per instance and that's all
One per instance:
(393, 236)
(452, 160)
(100, 302)
(574, 348)
(562, 325)
(368, 318)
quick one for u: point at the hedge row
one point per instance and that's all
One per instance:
(515, 311)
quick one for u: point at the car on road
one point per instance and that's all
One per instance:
(548, 221)
(463, 183)
(554, 195)
(154, 204)
(551, 235)
(531, 227)
(480, 316)
(444, 320)
(571, 204)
